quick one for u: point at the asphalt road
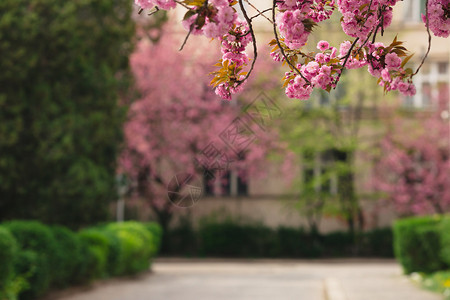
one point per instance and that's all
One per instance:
(260, 280)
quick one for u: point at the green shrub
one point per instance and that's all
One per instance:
(231, 239)
(38, 238)
(84, 272)
(98, 252)
(417, 244)
(8, 247)
(31, 266)
(445, 240)
(136, 246)
(338, 244)
(378, 242)
(114, 252)
(68, 255)
(181, 240)
(156, 232)
(296, 242)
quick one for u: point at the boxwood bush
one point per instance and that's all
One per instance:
(35, 257)
(8, 252)
(39, 261)
(445, 240)
(232, 239)
(156, 233)
(68, 255)
(417, 244)
(98, 252)
(136, 246)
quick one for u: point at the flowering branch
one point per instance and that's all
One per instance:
(293, 22)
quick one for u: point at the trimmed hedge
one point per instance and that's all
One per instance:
(68, 255)
(8, 249)
(236, 240)
(35, 257)
(38, 260)
(232, 238)
(136, 244)
(417, 244)
(445, 240)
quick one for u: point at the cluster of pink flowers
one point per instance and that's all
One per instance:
(321, 72)
(316, 10)
(162, 4)
(218, 17)
(388, 67)
(297, 17)
(295, 20)
(361, 17)
(438, 17)
(233, 50)
(291, 27)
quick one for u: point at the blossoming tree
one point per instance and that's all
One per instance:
(413, 169)
(175, 126)
(293, 22)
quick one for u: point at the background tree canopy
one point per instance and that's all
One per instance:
(63, 65)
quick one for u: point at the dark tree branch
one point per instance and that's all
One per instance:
(294, 68)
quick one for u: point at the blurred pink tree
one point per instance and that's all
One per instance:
(414, 167)
(177, 118)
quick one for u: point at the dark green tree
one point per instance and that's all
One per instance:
(64, 65)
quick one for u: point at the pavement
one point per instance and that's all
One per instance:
(181, 279)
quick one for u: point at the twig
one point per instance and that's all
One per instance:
(346, 57)
(279, 44)
(255, 49)
(191, 28)
(155, 11)
(187, 36)
(429, 40)
(260, 13)
(182, 4)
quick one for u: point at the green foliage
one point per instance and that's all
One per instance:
(39, 261)
(156, 232)
(231, 239)
(182, 237)
(35, 257)
(378, 242)
(64, 64)
(338, 244)
(35, 273)
(8, 249)
(296, 242)
(437, 282)
(417, 244)
(98, 252)
(68, 255)
(445, 240)
(136, 246)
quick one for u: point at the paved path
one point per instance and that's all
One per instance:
(262, 280)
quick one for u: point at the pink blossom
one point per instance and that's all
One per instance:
(392, 61)
(323, 45)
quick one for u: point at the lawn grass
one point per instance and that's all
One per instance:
(438, 282)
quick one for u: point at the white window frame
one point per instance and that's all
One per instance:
(412, 11)
(433, 77)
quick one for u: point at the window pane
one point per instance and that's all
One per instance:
(426, 94)
(242, 184)
(422, 9)
(409, 10)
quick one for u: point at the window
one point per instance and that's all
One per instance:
(232, 183)
(318, 172)
(431, 82)
(413, 10)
